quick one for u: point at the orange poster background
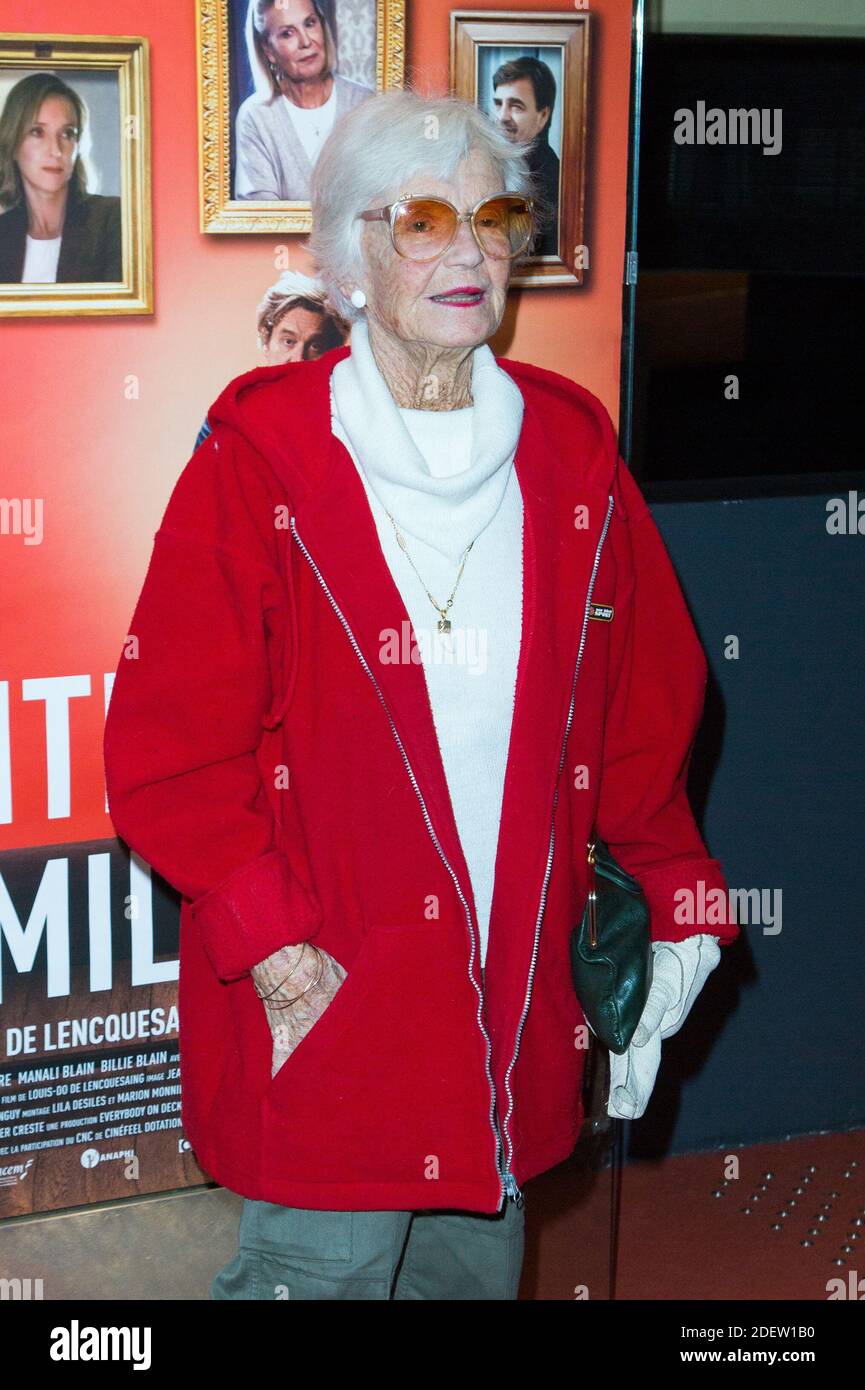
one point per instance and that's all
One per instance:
(104, 464)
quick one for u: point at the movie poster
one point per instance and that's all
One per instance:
(106, 387)
(89, 1058)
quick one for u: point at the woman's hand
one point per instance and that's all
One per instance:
(679, 971)
(303, 973)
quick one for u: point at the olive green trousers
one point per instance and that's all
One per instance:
(295, 1253)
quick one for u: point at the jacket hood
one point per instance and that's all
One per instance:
(278, 410)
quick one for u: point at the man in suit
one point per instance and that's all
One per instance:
(524, 94)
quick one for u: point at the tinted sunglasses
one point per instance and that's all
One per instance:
(423, 228)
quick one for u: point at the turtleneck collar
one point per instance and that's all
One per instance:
(447, 512)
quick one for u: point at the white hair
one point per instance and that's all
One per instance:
(379, 146)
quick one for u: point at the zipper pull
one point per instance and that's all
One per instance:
(513, 1190)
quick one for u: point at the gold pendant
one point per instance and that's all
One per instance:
(444, 625)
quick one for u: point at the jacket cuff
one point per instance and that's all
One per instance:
(688, 898)
(259, 908)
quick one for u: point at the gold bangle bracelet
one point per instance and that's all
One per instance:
(285, 1004)
(278, 986)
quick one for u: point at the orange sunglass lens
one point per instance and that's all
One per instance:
(422, 227)
(504, 225)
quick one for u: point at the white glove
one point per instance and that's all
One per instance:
(679, 971)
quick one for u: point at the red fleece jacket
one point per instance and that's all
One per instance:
(289, 784)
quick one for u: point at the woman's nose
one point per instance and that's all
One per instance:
(464, 249)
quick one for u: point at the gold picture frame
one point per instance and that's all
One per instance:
(129, 59)
(478, 40)
(219, 211)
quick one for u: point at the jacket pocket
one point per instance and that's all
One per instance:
(389, 1087)
(329, 1025)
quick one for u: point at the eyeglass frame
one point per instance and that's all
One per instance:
(389, 213)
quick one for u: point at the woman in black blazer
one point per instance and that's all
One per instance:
(53, 230)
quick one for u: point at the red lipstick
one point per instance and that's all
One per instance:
(461, 297)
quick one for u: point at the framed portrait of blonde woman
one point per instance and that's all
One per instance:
(529, 72)
(274, 78)
(75, 216)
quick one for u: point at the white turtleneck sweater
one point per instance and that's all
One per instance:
(447, 477)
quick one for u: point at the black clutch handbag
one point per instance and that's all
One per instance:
(611, 951)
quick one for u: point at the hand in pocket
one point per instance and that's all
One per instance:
(313, 978)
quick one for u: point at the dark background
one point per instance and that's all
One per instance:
(755, 265)
(751, 264)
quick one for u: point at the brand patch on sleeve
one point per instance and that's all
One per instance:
(602, 611)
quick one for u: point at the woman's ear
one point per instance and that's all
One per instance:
(348, 289)
(270, 56)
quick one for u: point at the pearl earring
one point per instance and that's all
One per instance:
(358, 298)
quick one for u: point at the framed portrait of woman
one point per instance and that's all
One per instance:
(75, 219)
(529, 70)
(274, 77)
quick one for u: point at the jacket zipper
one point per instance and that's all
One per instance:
(543, 901)
(507, 1180)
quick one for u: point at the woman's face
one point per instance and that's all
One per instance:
(49, 147)
(298, 337)
(295, 39)
(455, 301)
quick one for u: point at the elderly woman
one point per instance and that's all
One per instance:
(294, 324)
(53, 230)
(298, 97)
(381, 844)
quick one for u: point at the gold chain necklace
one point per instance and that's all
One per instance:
(444, 621)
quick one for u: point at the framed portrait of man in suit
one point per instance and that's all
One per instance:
(275, 77)
(75, 229)
(529, 71)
